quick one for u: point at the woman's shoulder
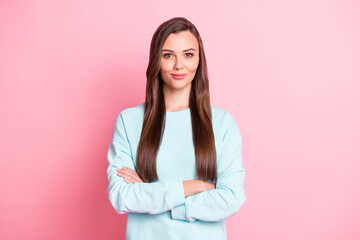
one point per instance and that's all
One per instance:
(223, 120)
(221, 114)
(226, 128)
(135, 111)
(132, 117)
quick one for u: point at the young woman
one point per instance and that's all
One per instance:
(175, 161)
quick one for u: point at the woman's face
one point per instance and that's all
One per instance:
(179, 55)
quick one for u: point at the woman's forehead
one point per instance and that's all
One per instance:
(181, 41)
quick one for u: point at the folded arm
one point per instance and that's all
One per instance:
(229, 195)
(152, 198)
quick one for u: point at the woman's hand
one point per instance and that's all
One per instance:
(208, 186)
(129, 175)
(192, 187)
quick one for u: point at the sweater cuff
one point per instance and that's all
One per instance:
(177, 195)
(178, 212)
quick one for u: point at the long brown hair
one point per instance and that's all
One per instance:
(154, 115)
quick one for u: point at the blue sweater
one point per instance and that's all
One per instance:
(159, 210)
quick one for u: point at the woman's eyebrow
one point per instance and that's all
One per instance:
(189, 49)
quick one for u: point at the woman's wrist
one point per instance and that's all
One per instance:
(193, 187)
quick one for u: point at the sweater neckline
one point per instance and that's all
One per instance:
(178, 112)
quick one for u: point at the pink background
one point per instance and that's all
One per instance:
(289, 72)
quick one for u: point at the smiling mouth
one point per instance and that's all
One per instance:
(178, 76)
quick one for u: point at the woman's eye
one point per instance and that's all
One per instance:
(166, 54)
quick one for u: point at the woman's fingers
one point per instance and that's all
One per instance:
(136, 178)
(127, 172)
(129, 175)
(125, 175)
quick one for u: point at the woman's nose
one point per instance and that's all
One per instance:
(178, 64)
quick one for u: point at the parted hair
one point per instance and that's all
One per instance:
(154, 115)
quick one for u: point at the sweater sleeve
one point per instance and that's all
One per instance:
(229, 195)
(151, 198)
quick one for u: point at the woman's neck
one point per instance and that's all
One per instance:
(177, 99)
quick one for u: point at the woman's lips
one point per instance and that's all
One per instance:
(178, 76)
